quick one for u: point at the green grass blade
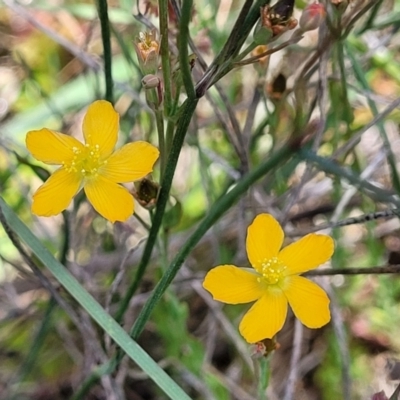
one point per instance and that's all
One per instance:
(110, 326)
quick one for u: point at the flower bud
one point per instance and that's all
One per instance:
(150, 81)
(312, 17)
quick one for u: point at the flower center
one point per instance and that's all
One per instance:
(272, 270)
(86, 161)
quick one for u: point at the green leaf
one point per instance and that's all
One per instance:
(109, 325)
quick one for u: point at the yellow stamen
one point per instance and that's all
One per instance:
(86, 162)
(272, 271)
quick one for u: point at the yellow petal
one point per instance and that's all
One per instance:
(100, 126)
(265, 318)
(307, 253)
(56, 193)
(51, 147)
(110, 200)
(232, 285)
(309, 302)
(131, 162)
(264, 240)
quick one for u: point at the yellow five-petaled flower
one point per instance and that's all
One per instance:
(93, 165)
(275, 280)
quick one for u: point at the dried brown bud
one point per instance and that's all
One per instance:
(278, 18)
(146, 193)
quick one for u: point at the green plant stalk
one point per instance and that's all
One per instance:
(105, 35)
(154, 102)
(165, 55)
(169, 136)
(330, 167)
(246, 51)
(222, 63)
(188, 109)
(368, 24)
(219, 208)
(391, 157)
(161, 141)
(215, 213)
(78, 292)
(183, 37)
(264, 376)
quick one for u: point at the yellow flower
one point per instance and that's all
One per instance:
(275, 280)
(95, 165)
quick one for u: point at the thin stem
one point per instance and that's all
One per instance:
(330, 167)
(252, 60)
(188, 109)
(247, 18)
(165, 55)
(161, 141)
(169, 136)
(183, 38)
(219, 208)
(105, 35)
(386, 269)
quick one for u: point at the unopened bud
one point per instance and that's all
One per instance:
(150, 81)
(312, 17)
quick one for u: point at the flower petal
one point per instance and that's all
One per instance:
(233, 285)
(100, 126)
(307, 253)
(264, 239)
(265, 318)
(56, 193)
(51, 147)
(309, 302)
(131, 162)
(110, 200)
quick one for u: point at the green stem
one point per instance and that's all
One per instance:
(169, 135)
(246, 51)
(188, 109)
(219, 208)
(183, 48)
(165, 55)
(331, 167)
(247, 18)
(105, 35)
(264, 377)
(161, 141)
(16, 231)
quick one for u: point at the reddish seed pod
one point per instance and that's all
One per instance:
(312, 17)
